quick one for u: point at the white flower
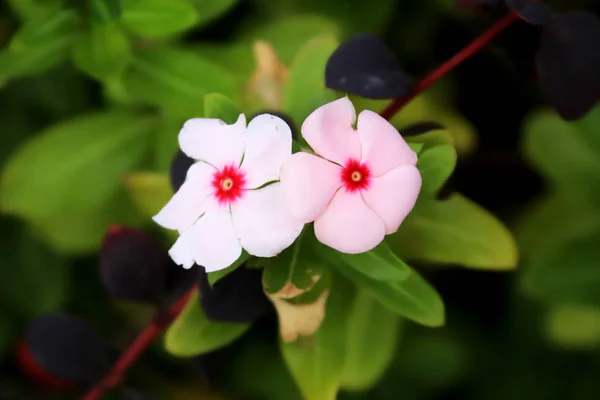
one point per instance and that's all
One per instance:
(224, 204)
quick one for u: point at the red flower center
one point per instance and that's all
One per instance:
(356, 176)
(229, 184)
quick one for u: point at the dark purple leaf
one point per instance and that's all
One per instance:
(67, 347)
(473, 4)
(237, 297)
(420, 127)
(534, 12)
(568, 63)
(134, 394)
(133, 266)
(179, 168)
(365, 66)
(288, 120)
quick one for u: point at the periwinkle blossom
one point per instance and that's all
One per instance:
(361, 183)
(230, 198)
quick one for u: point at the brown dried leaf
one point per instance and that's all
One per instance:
(265, 89)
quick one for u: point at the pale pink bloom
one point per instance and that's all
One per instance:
(224, 205)
(361, 184)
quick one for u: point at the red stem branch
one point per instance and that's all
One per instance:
(147, 336)
(449, 65)
(161, 321)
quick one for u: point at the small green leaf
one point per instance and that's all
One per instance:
(31, 9)
(455, 231)
(371, 337)
(218, 106)
(82, 161)
(436, 165)
(316, 362)
(171, 79)
(149, 191)
(431, 139)
(568, 273)
(413, 298)
(158, 18)
(103, 52)
(305, 90)
(380, 263)
(209, 10)
(573, 326)
(416, 147)
(105, 11)
(193, 334)
(40, 44)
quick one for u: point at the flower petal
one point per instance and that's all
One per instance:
(309, 183)
(182, 254)
(187, 204)
(268, 145)
(263, 223)
(349, 225)
(211, 240)
(328, 130)
(213, 141)
(393, 195)
(383, 148)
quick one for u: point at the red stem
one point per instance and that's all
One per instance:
(449, 65)
(135, 349)
(147, 336)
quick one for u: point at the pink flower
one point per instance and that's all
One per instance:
(228, 200)
(361, 184)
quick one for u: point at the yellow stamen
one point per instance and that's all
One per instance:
(226, 184)
(356, 176)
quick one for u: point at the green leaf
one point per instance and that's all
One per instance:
(289, 34)
(380, 263)
(316, 361)
(416, 147)
(193, 334)
(455, 231)
(209, 10)
(436, 165)
(105, 11)
(305, 90)
(431, 139)
(170, 78)
(562, 154)
(574, 327)
(413, 298)
(149, 191)
(34, 279)
(30, 9)
(81, 161)
(158, 18)
(372, 334)
(40, 44)
(218, 106)
(103, 52)
(568, 273)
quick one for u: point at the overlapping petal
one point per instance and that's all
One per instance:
(328, 130)
(268, 144)
(213, 141)
(349, 225)
(309, 182)
(263, 223)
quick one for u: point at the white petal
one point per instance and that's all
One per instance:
(268, 145)
(213, 141)
(181, 254)
(212, 240)
(186, 206)
(263, 223)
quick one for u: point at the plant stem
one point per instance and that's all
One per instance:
(160, 321)
(449, 65)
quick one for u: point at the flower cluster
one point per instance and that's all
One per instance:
(247, 190)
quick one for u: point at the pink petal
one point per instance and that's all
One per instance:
(393, 195)
(268, 145)
(211, 240)
(263, 223)
(186, 206)
(349, 225)
(328, 130)
(213, 141)
(383, 148)
(308, 184)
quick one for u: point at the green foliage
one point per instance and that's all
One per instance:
(372, 333)
(573, 327)
(158, 18)
(455, 231)
(218, 106)
(193, 334)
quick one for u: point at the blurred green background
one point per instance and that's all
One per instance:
(92, 91)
